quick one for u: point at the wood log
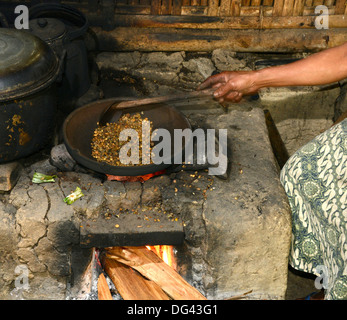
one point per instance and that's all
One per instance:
(130, 284)
(153, 268)
(104, 292)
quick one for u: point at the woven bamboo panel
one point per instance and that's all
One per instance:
(228, 8)
(205, 25)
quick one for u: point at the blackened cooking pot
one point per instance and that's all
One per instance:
(63, 28)
(28, 72)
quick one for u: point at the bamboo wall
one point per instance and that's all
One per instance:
(205, 25)
(227, 8)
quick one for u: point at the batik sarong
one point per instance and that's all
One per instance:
(315, 180)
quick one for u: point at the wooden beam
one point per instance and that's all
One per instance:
(170, 39)
(236, 22)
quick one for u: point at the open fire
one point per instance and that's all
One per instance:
(166, 253)
(142, 178)
(138, 273)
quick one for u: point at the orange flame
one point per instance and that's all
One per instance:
(166, 253)
(134, 178)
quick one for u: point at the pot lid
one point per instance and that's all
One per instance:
(47, 29)
(27, 65)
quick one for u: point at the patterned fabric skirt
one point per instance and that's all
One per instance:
(315, 180)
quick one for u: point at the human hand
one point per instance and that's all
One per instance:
(231, 85)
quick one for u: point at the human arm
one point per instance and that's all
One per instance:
(321, 68)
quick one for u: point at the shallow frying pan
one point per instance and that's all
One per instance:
(79, 127)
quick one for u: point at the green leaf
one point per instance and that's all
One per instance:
(42, 178)
(71, 198)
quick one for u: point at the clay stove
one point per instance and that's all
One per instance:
(229, 232)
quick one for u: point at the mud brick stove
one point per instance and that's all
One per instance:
(231, 234)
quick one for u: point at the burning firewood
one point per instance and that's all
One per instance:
(153, 268)
(104, 292)
(130, 284)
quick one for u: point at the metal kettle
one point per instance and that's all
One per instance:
(63, 27)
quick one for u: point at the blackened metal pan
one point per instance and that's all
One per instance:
(79, 127)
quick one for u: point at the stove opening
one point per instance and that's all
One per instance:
(141, 273)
